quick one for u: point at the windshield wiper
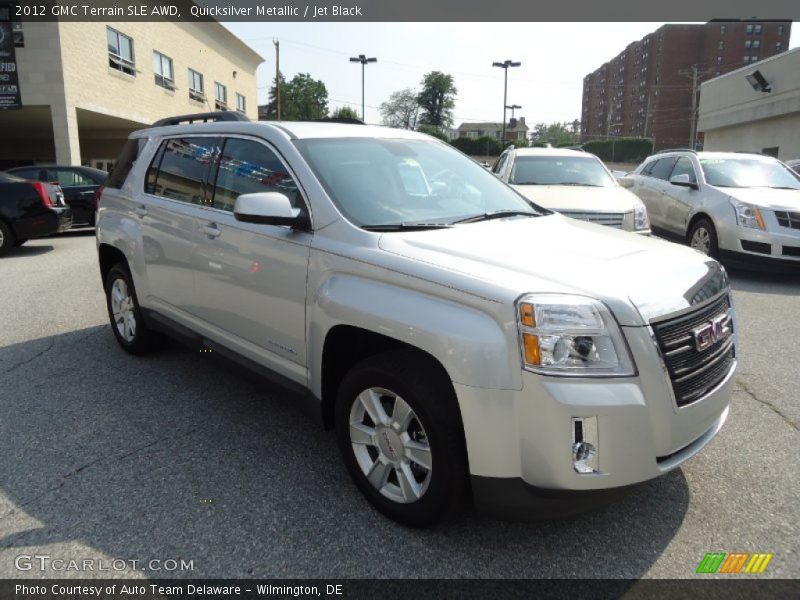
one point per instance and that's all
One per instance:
(576, 183)
(498, 214)
(405, 226)
(528, 183)
(782, 187)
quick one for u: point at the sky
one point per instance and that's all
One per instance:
(554, 56)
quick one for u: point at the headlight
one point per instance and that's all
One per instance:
(747, 215)
(640, 218)
(571, 336)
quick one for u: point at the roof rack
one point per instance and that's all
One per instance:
(676, 150)
(345, 120)
(222, 115)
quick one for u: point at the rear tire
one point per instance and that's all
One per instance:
(703, 238)
(6, 238)
(125, 314)
(400, 434)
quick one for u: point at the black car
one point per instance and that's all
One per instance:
(30, 209)
(79, 184)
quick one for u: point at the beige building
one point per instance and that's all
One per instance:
(735, 116)
(86, 86)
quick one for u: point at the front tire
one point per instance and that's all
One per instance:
(399, 431)
(125, 314)
(6, 238)
(703, 238)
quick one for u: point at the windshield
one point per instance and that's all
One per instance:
(748, 173)
(560, 170)
(376, 181)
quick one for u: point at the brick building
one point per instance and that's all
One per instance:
(646, 90)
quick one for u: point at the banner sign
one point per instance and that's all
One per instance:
(9, 79)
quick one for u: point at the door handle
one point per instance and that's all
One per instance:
(211, 230)
(140, 210)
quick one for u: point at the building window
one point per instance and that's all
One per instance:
(719, 60)
(221, 96)
(756, 43)
(241, 103)
(746, 59)
(748, 43)
(721, 45)
(757, 30)
(196, 90)
(162, 67)
(780, 29)
(778, 46)
(749, 30)
(722, 29)
(120, 52)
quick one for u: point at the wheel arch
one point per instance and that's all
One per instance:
(109, 256)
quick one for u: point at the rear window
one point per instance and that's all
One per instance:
(8, 178)
(124, 163)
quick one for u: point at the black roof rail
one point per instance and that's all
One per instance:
(221, 115)
(676, 150)
(344, 120)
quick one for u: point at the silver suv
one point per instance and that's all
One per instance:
(456, 335)
(740, 207)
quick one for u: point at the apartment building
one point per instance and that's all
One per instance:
(646, 90)
(85, 86)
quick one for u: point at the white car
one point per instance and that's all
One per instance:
(574, 183)
(737, 206)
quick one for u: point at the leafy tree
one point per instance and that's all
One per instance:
(345, 112)
(433, 130)
(437, 99)
(557, 134)
(401, 109)
(271, 111)
(303, 99)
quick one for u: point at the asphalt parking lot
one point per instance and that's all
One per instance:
(175, 456)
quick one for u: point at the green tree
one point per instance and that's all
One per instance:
(270, 113)
(432, 130)
(557, 134)
(345, 112)
(304, 99)
(437, 99)
(401, 109)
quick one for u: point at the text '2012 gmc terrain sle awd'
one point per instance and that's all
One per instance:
(456, 335)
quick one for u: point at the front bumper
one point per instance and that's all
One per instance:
(527, 434)
(777, 246)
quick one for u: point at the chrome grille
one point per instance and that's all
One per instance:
(788, 219)
(601, 218)
(692, 372)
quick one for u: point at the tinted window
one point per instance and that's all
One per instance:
(648, 167)
(560, 170)
(180, 169)
(32, 174)
(124, 163)
(498, 166)
(684, 167)
(663, 168)
(247, 167)
(68, 177)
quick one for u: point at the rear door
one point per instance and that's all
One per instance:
(251, 278)
(174, 196)
(79, 191)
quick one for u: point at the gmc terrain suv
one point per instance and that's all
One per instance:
(456, 335)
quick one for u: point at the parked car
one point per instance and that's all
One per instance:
(741, 207)
(794, 165)
(456, 335)
(80, 185)
(574, 183)
(29, 210)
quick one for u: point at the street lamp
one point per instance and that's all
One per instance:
(361, 58)
(504, 65)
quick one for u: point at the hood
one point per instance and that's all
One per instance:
(766, 197)
(556, 254)
(580, 198)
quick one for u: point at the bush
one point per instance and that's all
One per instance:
(627, 150)
(434, 131)
(482, 146)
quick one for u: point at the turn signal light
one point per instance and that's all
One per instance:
(526, 315)
(531, 344)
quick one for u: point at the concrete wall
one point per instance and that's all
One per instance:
(734, 116)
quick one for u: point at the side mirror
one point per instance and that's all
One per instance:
(683, 181)
(626, 182)
(268, 208)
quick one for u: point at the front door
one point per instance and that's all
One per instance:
(680, 200)
(251, 279)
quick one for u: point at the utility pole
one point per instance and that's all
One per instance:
(695, 74)
(362, 58)
(505, 65)
(647, 115)
(277, 76)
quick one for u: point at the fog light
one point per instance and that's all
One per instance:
(585, 458)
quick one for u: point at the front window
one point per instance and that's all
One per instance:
(162, 67)
(748, 173)
(120, 52)
(389, 182)
(560, 170)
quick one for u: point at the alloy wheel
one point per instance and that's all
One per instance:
(701, 240)
(122, 308)
(390, 445)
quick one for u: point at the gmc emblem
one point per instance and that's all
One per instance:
(709, 334)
